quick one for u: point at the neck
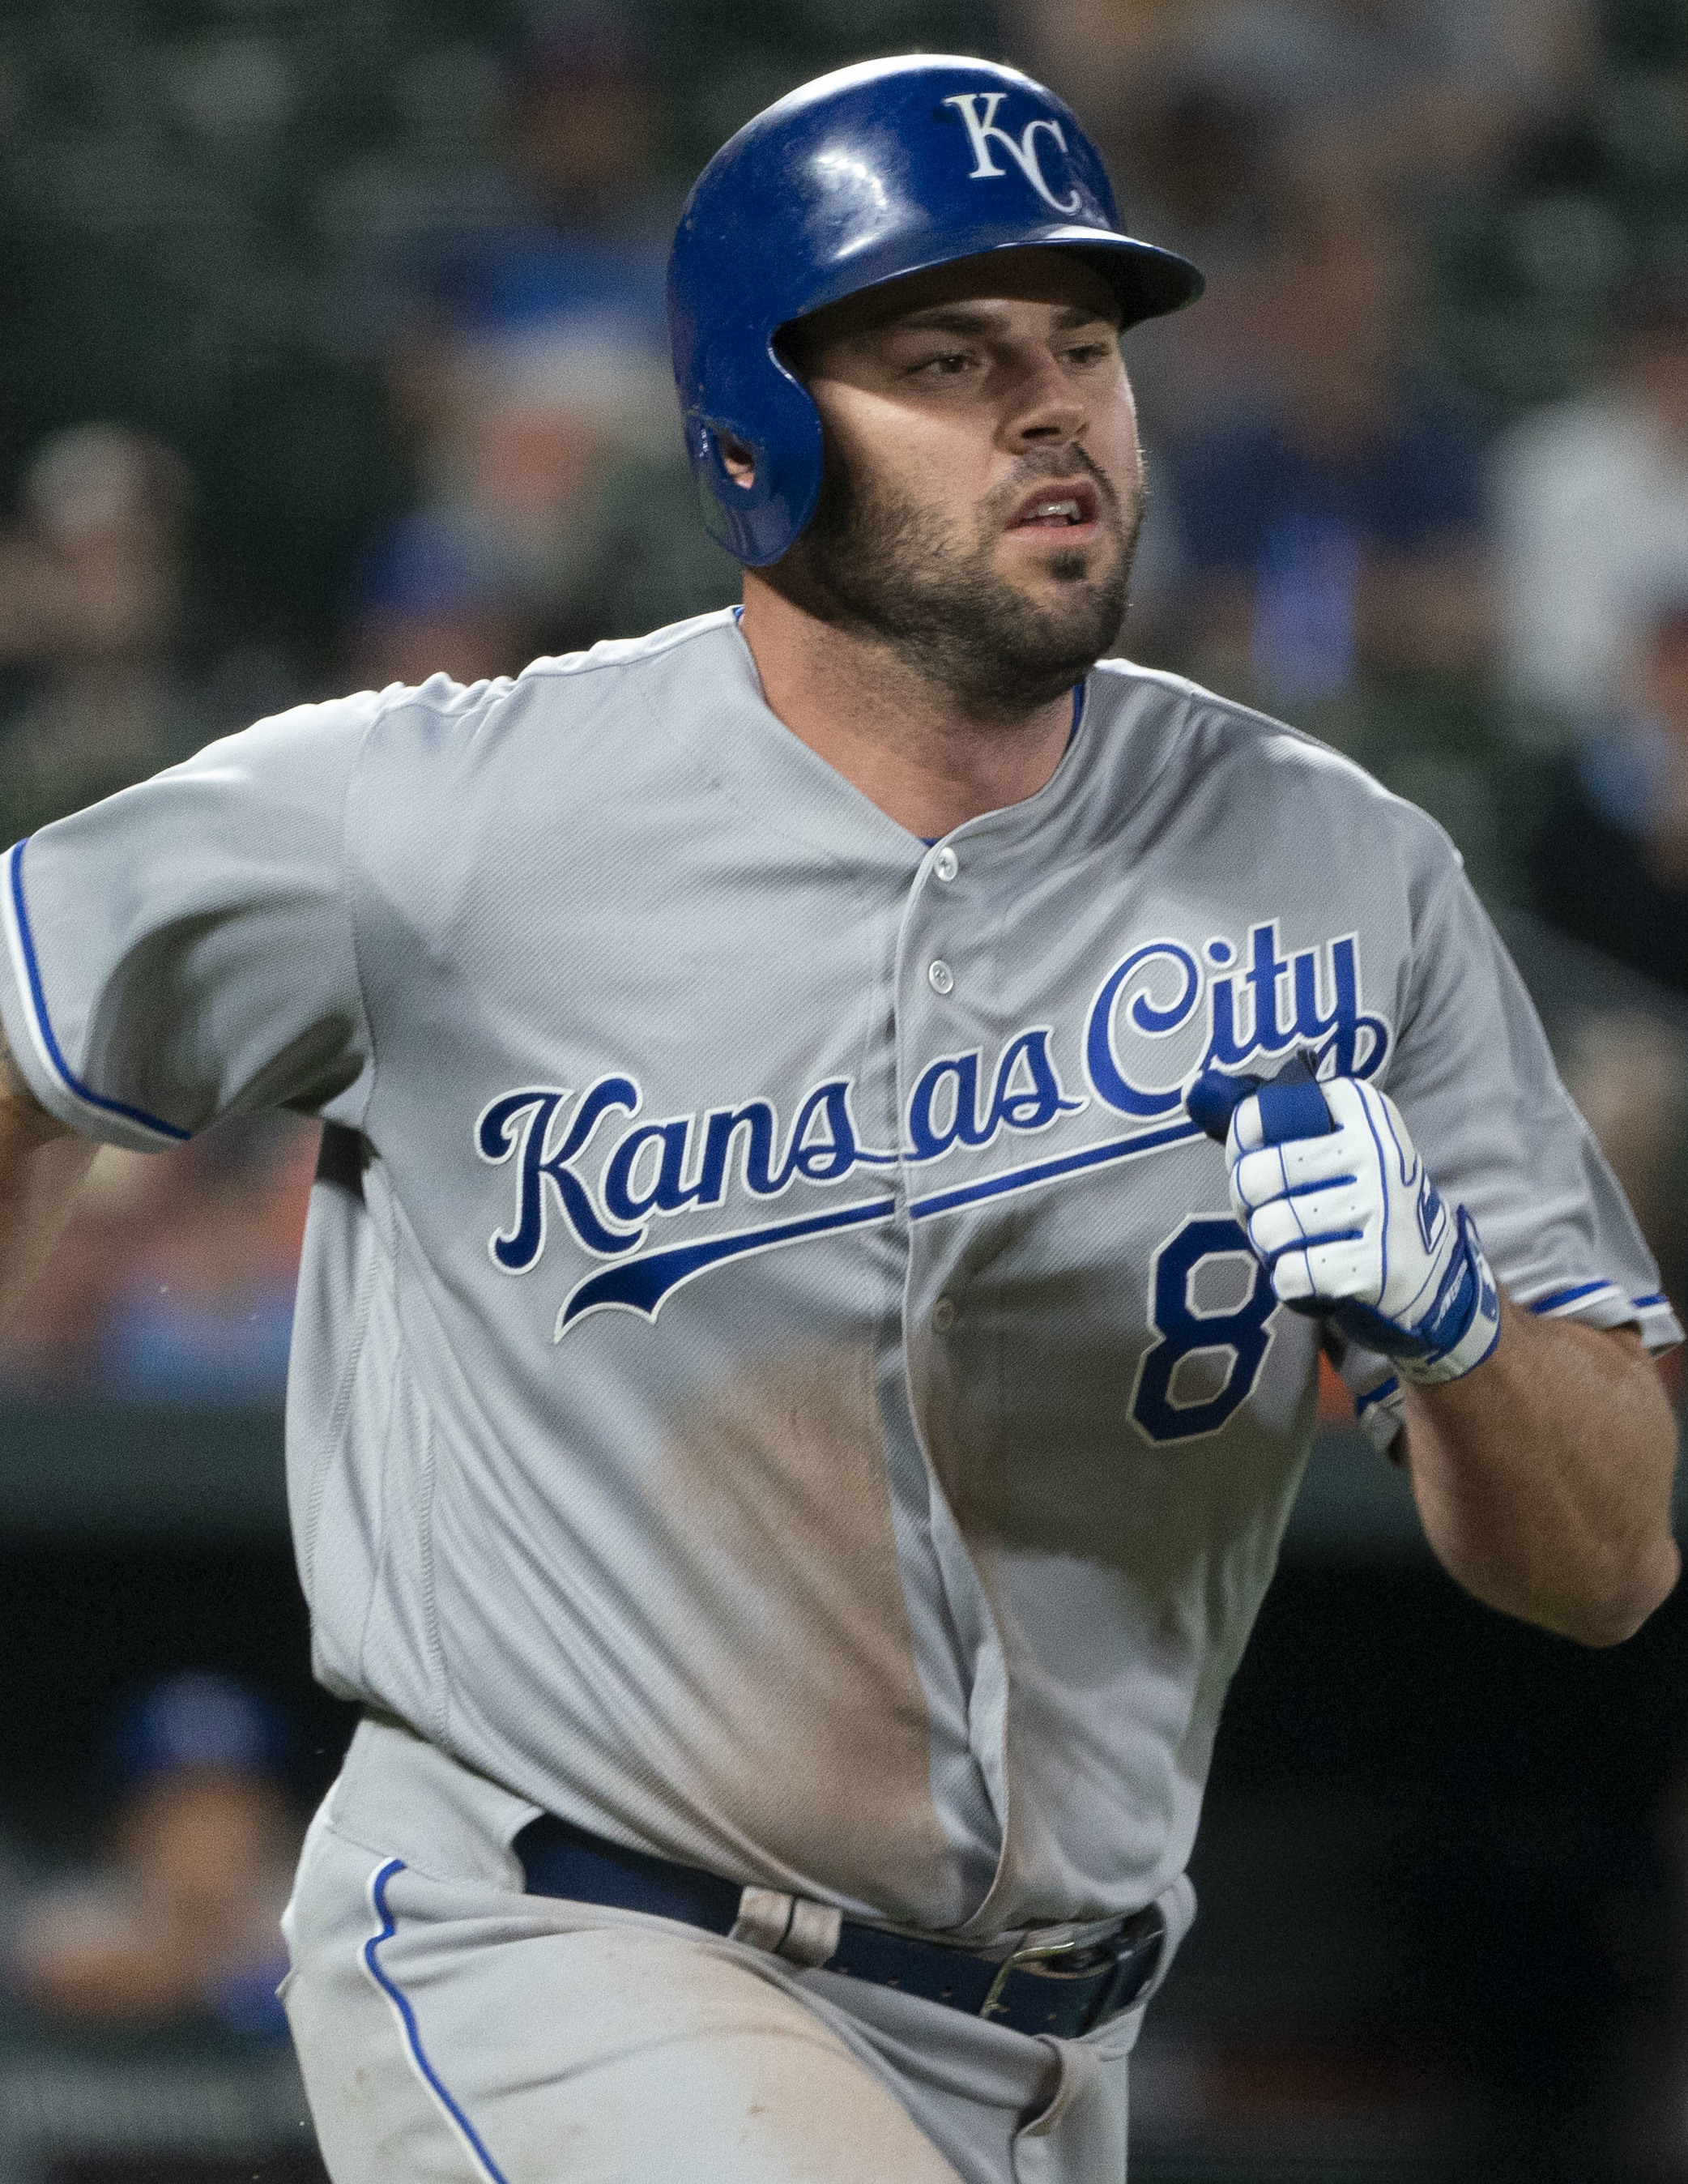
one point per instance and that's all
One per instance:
(912, 747)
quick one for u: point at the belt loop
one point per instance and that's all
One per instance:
(788, 1926)
(813, 1932)
(764, 1920)
(1135, 1964)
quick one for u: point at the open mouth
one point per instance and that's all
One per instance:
(1057, 508)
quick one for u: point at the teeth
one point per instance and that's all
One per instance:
(1068, 509)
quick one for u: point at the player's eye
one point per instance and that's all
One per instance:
(949, 364)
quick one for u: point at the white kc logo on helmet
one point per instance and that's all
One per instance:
(986, 130)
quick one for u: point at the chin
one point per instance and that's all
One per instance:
(1080, 600)
(1057, 576)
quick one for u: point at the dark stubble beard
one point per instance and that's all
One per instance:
(927, 590)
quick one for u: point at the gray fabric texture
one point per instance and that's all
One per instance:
(450, 2027)
(775, 1379)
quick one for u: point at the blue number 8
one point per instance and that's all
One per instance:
(1183, 1331)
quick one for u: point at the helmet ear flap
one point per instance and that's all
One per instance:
(730, 502)
(758, 518)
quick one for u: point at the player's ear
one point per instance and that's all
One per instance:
(739, 458)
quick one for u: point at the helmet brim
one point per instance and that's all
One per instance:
(1147, 281)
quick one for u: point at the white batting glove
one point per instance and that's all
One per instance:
(1350, 1227)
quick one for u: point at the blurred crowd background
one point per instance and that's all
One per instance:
(334, 356)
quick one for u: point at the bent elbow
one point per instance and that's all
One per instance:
(1622, 1608)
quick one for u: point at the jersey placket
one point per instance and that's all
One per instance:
(941, 1014)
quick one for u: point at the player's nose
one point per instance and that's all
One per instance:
(1043, 408)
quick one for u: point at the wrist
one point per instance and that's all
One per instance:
(1464, 1324)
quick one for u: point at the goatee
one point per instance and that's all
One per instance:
(900, 573)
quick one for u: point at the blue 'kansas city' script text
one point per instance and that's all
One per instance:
(573, 1154)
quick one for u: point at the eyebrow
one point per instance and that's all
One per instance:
(957, 318)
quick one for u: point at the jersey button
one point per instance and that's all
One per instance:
(942, 976)
(946, 864)
(943, 1315)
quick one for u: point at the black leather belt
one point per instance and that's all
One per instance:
(1064, 1987)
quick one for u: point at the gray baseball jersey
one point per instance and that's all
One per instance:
(775, 1377)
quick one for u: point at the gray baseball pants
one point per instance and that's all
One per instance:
(450, 2027)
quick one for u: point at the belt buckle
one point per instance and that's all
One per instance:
(1030, 1952)
(1134, 1947)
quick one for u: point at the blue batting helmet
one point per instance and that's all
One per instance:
(876, 171)
(198, 1718)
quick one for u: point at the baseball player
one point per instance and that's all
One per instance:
(792, 1413)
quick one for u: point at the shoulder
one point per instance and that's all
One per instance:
(1233, 769)
(408, 750)
(619, 677)
(1196, 728)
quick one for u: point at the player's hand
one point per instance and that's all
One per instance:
(1348, 1226)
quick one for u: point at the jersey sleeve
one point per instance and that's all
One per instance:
(185, 949)
(1474, 1078)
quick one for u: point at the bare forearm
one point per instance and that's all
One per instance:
(1543, 1478)
(41, 1166)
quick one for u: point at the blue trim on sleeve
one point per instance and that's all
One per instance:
(1381, 1393)
(1650, 1303)
(44, 1023)
(401, 2002)
(1560, 1298)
